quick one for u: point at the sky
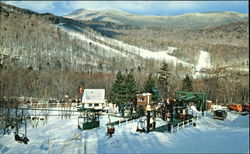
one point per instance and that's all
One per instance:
(139, 7)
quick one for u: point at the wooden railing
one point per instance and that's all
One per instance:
(185, 123)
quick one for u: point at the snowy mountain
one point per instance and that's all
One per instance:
(187, 21)
(96, 45)
(65, 43)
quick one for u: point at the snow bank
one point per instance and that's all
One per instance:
(195, 111)
(236, 120)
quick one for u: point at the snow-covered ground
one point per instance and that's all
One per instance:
(62, 136)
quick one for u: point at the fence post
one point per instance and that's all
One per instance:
(172, 129)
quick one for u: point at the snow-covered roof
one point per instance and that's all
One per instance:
(144, 94)
(93, 96)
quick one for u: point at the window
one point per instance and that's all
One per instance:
(96, 104)
(90, 105)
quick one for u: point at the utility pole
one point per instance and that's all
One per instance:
(148, 121)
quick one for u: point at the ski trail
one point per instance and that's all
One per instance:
(203, 62)
(127, 50)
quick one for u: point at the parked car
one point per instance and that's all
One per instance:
(245, 107)
(235, 107)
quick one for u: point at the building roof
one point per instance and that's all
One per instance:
(93, 96)
(144, 94)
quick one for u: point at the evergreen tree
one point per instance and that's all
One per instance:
(123, 90)
(163, 79)
(118, 90)
(150, 84)
(130, 86)
(187, 84)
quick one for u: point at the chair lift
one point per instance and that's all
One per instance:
(110, 128)
(21, 138)
(141, 126)
(89, 119)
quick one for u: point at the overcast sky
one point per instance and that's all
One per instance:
(138, 7)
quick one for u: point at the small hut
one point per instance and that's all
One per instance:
(94, 98)
(143, 99)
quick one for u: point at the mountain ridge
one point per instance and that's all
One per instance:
(95, 45)
(186, 21)
(80, 10)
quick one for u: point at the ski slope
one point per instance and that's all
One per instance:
(62, 136)
(204, 62)
(125, 50)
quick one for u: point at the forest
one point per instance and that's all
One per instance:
(223, 87)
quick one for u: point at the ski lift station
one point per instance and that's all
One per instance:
(94, 98)
(143, 99)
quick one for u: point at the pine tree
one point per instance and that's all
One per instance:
(130, 86)
(163, 79)
(150, 84)
(118, 90)
(123, 90)
(187, 84)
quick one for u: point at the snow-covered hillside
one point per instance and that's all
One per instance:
(62, 136)
(125, 50)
